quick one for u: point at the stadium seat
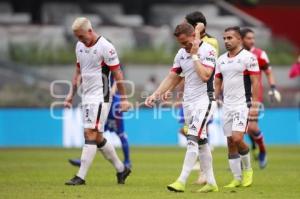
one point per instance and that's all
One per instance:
(55, 13)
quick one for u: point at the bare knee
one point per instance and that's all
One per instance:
(90, 134)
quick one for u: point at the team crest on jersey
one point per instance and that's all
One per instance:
(81, 50)
(211, 53)
(112, 52)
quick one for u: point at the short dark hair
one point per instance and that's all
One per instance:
(195, 17)
(184, 28)
(236, 29)
(245, 31)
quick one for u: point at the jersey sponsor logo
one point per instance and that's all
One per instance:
(95, 51)
(211, 59)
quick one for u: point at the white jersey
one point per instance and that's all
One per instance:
(235, 72)
(194, 88)
(95, 64)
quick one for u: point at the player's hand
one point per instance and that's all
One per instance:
(68, 102)
(150, 100)
(195, 47)
(167, 96)
(125, 105)
(274, 95)
(199, 29)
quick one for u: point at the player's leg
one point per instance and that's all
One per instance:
(188, 164)
(107, 149)
(123, 137)
(191, 152)
(253, 146)
(91, 113)
(88, 153)
(256, 134)
(239, 126)
(234, 160)
(205, 156)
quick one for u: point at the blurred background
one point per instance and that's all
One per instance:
(37, 58)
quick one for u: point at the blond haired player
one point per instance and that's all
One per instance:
(97, 59)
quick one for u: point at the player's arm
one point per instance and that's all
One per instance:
(165, 85)
(254, 78)
(111, 59)
(119, 81)
(204, 72)
(253, 71)
(273, 92)
(76, 81)
(218, 87)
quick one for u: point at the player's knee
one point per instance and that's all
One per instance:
(90, 134)
(236, 140)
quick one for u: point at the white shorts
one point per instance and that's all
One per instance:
(95, 115)
(235, 119)
(196, 117)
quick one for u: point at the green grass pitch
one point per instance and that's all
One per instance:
(41, 173)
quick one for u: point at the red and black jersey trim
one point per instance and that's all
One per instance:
(98, 116)
(205, 119)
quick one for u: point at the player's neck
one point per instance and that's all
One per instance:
(235, 51)
(95, 39)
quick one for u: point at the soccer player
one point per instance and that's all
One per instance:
(196, 60)
(96, 60)
(264, 65)
(194, 18)
(238, 70)
(114, 123)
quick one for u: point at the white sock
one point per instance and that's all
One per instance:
(206, 161)
(246, 161)
(235, 166)
(110, 154)
(87, 156)
(189, 160)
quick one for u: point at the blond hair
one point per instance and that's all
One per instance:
(81, 23)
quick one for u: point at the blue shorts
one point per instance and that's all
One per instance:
(115, 121)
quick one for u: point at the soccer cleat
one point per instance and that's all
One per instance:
(208, 188)
(176, 187)
(75, 162)
(75, 181)
(233, 184)
(247, 178)
(121, 177)
(262, 160)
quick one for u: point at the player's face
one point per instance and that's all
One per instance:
(249, 40)
(186, 41)
(86, 37)
(232, 40)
